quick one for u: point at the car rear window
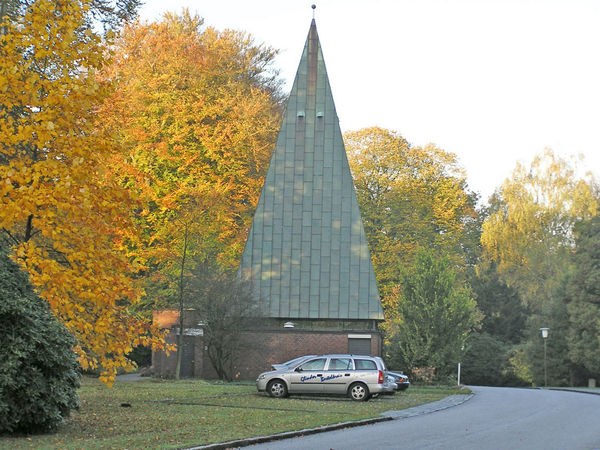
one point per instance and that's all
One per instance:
(340, 364)
(365, 364)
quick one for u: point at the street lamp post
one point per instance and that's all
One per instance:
(545, 336)
(462, 348)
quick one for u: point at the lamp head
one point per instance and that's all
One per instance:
(544, 332)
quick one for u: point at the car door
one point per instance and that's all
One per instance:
(306, 378)
(336, 378)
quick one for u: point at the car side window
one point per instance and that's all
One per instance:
(340, 364)
(365, 364)
(314, 364)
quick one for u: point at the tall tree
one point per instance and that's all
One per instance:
(112, 14)
(529, 232)
(486, 358)
(505, 316)
(529, 236)
(63, 218)
(196, 112)
(435, 314)
(560, 368)
(584, 294)
(410, 196)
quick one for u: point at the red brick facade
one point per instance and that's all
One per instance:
(260, 349)
(278, 346)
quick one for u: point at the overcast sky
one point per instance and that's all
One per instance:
(493, 81)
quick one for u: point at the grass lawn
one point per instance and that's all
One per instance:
(164, 414)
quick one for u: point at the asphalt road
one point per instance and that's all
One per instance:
(495, 418)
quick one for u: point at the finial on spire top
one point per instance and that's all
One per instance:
(313, 6)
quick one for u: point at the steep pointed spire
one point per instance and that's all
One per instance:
(307, 253)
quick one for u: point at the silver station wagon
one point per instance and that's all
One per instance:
(357, 376)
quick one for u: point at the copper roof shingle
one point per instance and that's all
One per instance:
(307, 253)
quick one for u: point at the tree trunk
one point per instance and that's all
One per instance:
(180, 336)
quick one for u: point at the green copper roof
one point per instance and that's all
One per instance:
(307, 253)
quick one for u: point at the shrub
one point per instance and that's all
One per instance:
(484, 361)
(487, 362)
(38, 368)
(435, 313)
(424, 375)
(141, 355)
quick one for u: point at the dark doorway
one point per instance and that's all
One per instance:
(360, 346)
(187, 358)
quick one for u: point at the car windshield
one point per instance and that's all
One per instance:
(293, 362)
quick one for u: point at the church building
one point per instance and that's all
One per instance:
(306, 255)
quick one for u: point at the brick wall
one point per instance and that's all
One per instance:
(163, 365)
(263, 348)
(260, 349)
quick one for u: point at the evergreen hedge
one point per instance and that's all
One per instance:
(38, 368)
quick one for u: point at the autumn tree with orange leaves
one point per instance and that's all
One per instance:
(62, 215)
(196, 112)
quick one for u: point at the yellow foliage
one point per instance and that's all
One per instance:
(64, 220)
(529, 231)
(197, 123)
(519, 366)
(409, 197)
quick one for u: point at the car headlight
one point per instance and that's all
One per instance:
(262, 376)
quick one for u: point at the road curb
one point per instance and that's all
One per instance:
(579, 391)
(445, 403)
(290, 434)
(427, 408)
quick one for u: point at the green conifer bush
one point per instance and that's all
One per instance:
(38, 368)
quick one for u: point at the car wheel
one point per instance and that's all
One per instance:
(359, 392)
(277, 389)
